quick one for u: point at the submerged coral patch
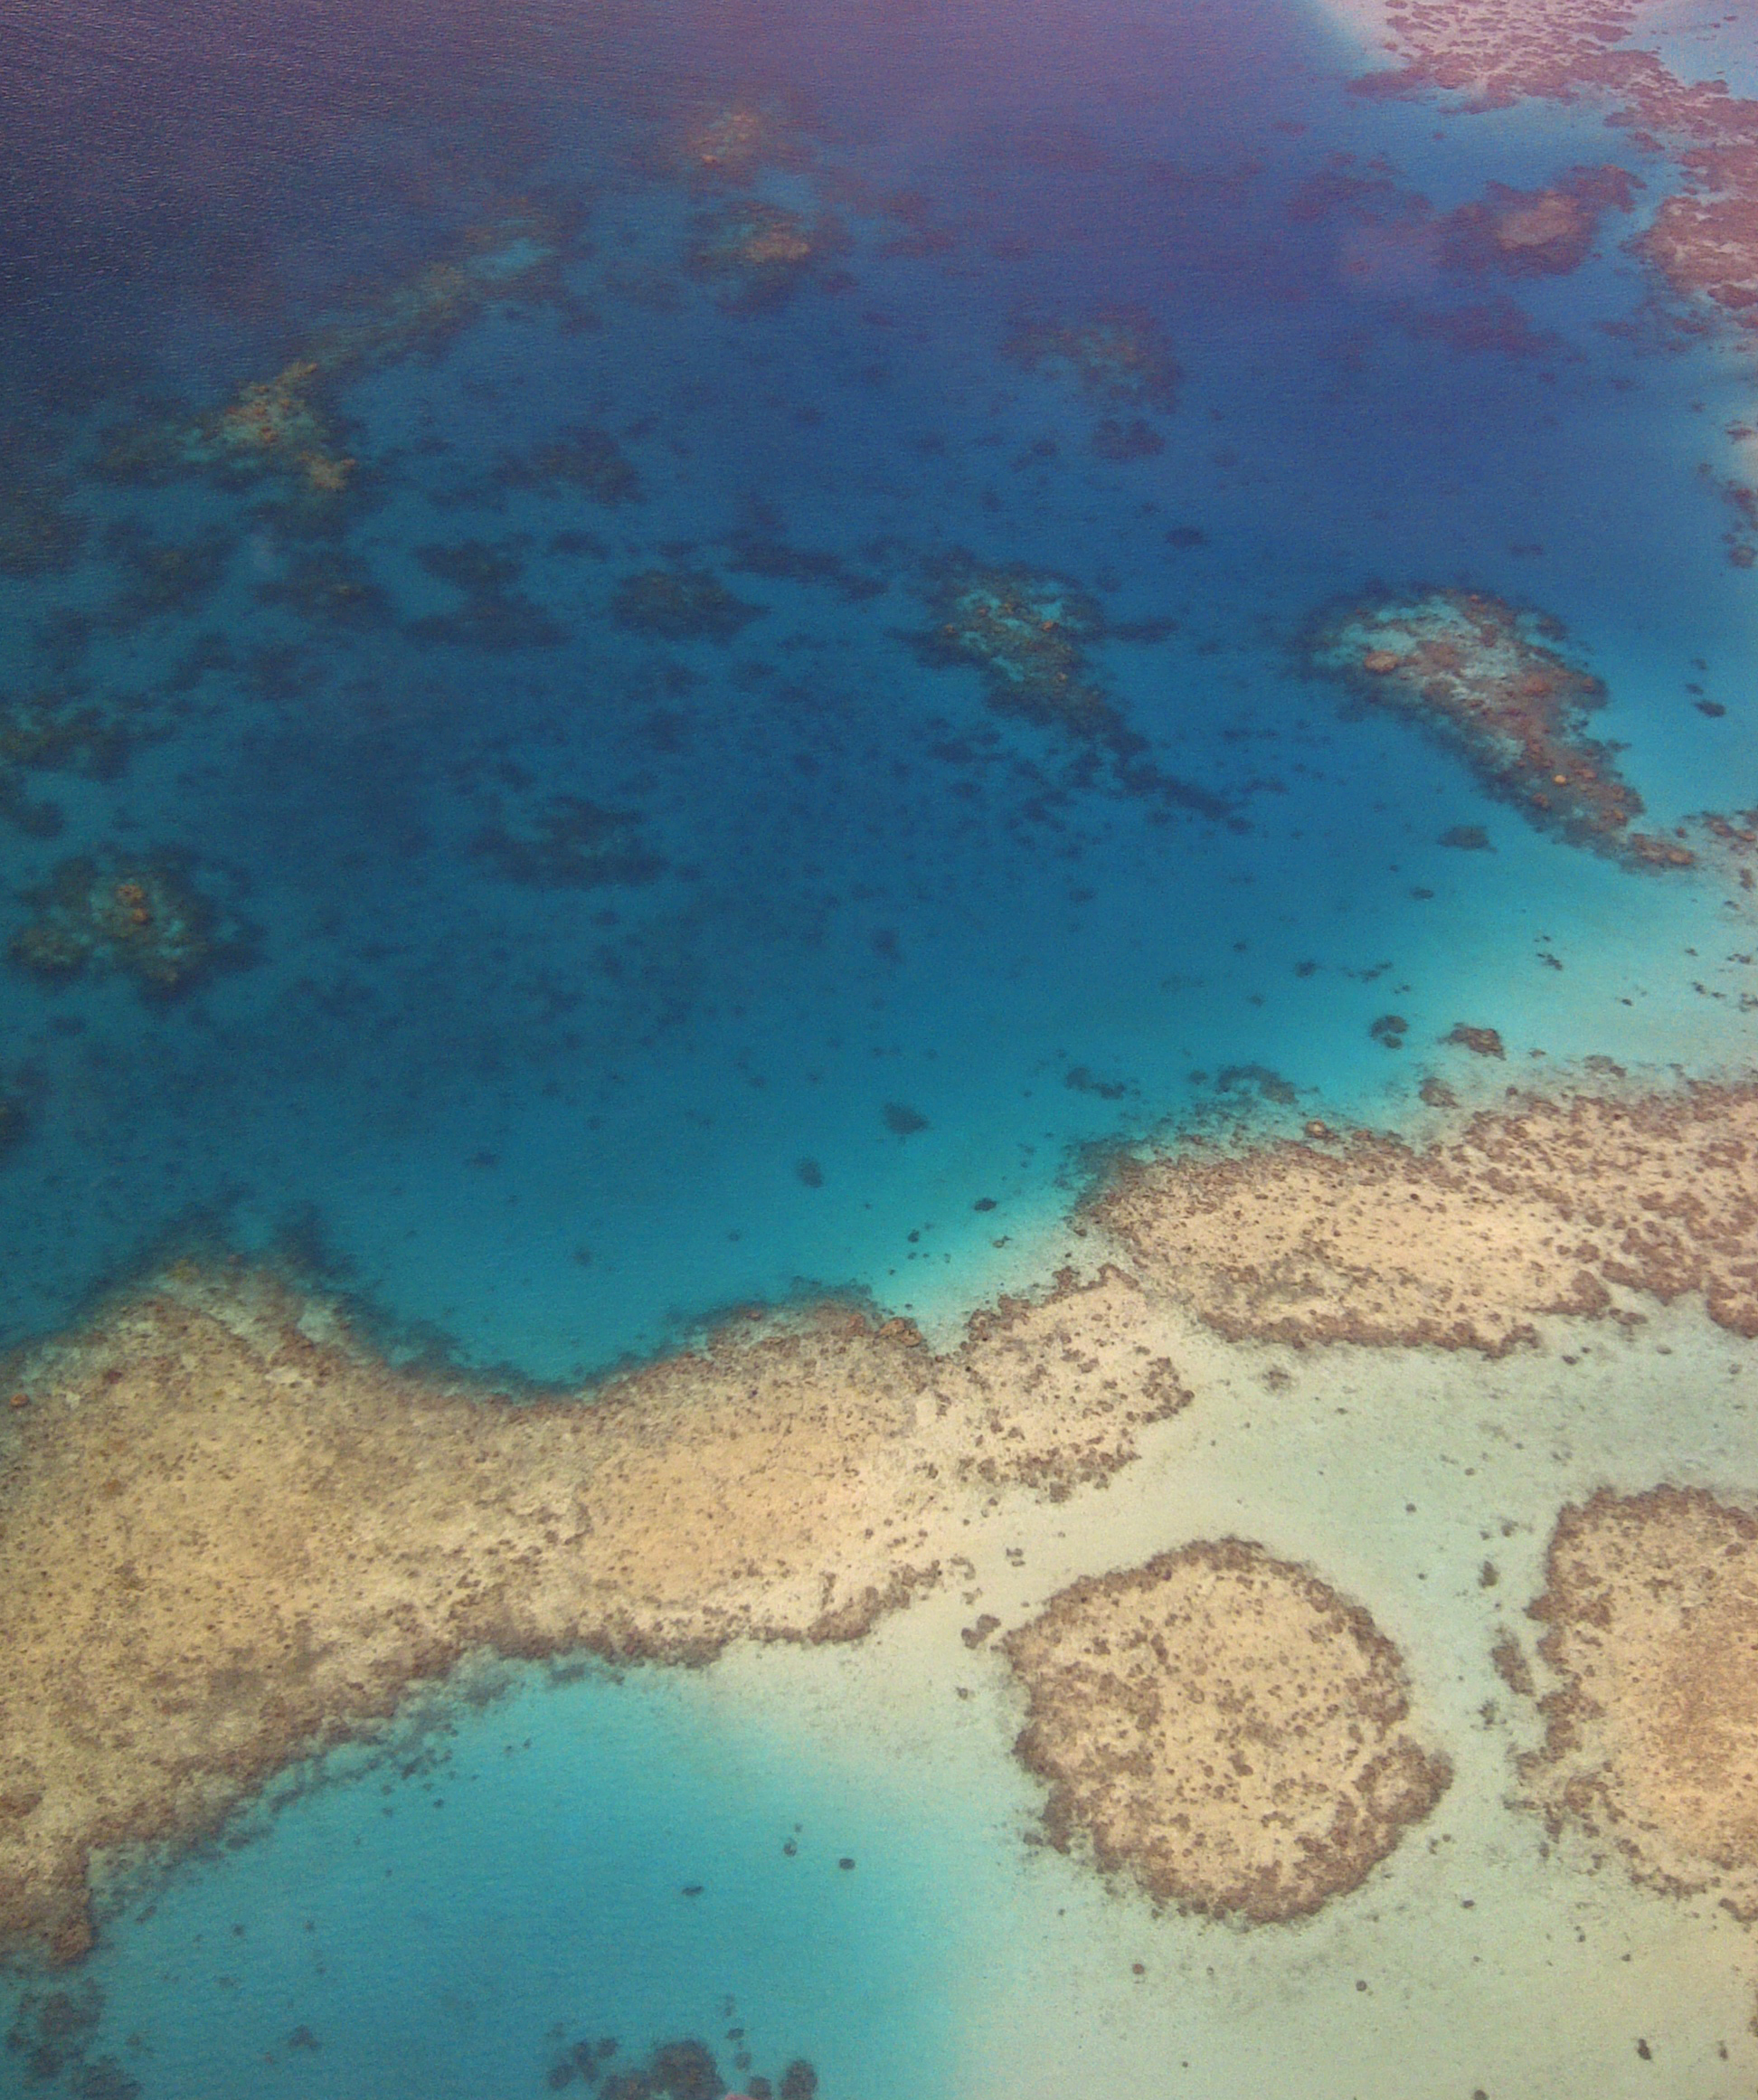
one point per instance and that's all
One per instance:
(678, 2070)
(566, 842)
(1544, 232)
(146, 918)
(1224, 1729)
(283, 429)
(680, 605)
(495, 616)
(762, 253)
(580, 458)
(1488, 681)
(40, 535)
(66, 729)
(1120, 357)
(1029, 633)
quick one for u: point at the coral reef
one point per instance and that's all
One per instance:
(141, 918)
(1121, 442)
(1544, 232)
(233, 1536)
(1029, 633)
(161, 577)
(282, 429)
(569, 843)
(580, 456)
(333, 585)
(1650, 1612)
(731, 145)
(1703, 240)
(680, 605)
(1484, 678)
(494, 616)
(1548, 1206)
(759, 548)
(679, 2070)
(64, 729)
(274, 424)
(1484, 1042)
(1222, 1726)
(763, 253)
(1121, 357)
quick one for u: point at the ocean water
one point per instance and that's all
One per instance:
(597, 977)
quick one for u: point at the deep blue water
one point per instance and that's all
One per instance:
(858, 952)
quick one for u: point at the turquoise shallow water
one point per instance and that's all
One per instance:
(868, 974)
(622, 1862)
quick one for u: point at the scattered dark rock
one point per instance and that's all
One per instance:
(1485, 1042)
(680, 605)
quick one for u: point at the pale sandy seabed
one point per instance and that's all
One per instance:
(231, 1534)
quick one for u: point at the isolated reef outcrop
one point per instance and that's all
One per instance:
(146, 918)
(1223, 1727)
(231, 1537)
(283, 430)
(1486, 679)
(1547, 1206)
(1650, 1617)
(759, 253)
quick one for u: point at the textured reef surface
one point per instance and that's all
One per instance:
(338, 1531)
(789, 987)
(1650, 1612)
(1488, 681)
(1543, 1208)
(1225, 1728)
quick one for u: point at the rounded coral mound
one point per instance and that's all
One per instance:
(1225, 1727)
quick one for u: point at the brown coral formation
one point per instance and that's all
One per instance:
(1223, 1727)
(763, 253)
(1545, 1209)
(1029, 632)
(274, 423)
(731, 145)
(145, 919)
(680, 605)
(1705, 241)
(230, 1537)
(1650, 1609)
(1542, 232)
(278, 428)
(1487, 680)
